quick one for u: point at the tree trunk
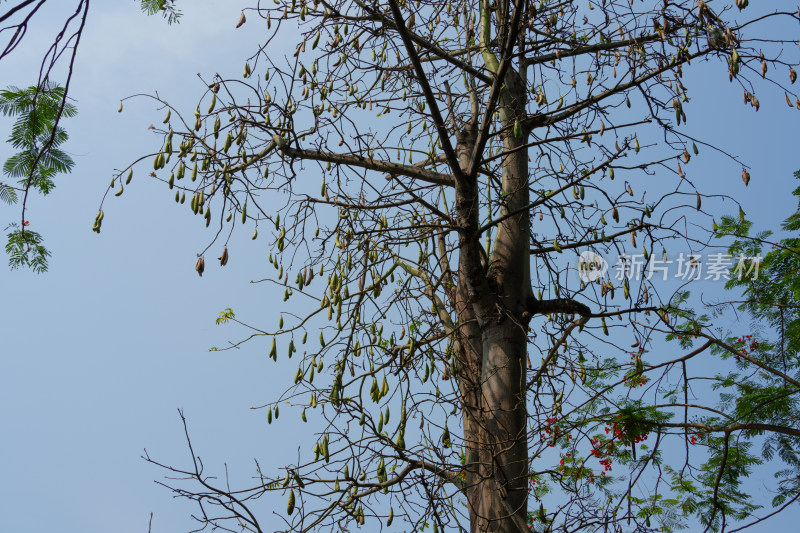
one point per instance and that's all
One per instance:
(497, 304)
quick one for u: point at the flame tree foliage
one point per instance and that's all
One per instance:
(38, 137)
(41, 108)
(442, 164)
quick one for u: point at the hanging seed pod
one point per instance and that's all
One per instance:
(200, 265)
(242, 20)
(130, 176)
(223, 259)
(290, 505)
(745, 177)
(699, 203)
(273, 352)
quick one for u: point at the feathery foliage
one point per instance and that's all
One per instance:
(38, 138)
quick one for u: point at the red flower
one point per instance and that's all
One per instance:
(26, 223)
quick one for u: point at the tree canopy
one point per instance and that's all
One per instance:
(426, 175)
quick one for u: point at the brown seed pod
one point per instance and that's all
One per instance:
(242, 20)
(745, 177)
(788, 102)
(200, 266)
(223, 259)
(699, 202)
(792, 75)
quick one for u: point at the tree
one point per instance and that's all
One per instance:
(42, 107)
(468, 152)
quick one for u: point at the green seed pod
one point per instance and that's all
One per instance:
(130, 176)
(290, 505)
(273, 352)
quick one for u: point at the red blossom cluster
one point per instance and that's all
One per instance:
(604, 450)
(742, 344)
(551, 432)
(638, 380)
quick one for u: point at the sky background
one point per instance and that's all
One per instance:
(98, 353)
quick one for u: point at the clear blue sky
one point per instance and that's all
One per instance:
(99, 352)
